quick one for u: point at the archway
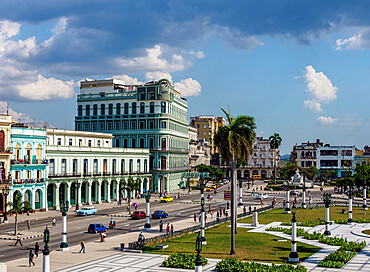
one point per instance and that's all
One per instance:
(50, 195)
(83, 193)
(15, 194)
(255, 172)
(263, 174)
(94, 186)
(72, 194)
(28, 196)
(62, 192)
(103, 190)
(121, 188)
(246, 173)
(145, 184)
(38, 199)
(113, 190)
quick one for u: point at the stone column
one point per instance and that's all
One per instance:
(98, 192)
(79, 192)
(32, 196)
(88, 192)
(108, 190)
(68, 193)
(56, 196)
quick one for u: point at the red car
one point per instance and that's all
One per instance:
(138, 215)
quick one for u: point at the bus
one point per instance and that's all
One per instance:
(256, 177)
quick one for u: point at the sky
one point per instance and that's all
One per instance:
(300, 68)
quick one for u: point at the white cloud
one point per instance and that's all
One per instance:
(356, 42)
(128, 80)
(326, 120)
(197, 54)
(157, 76)
(188, 87)
(238, 40)
(18, 116)
(319, 89)
(8, 29)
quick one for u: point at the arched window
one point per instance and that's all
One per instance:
(163, 107)
(117, 142)
(145, 166)
(131, 166)
(138, 166)
(87, 110)
(133, 108)
(79, 110)
(118, 108)
(102, 109)
(17, 152)
(142, 108)
(28, 154)
(151, 143)
(95, 109)
(133, 143)
(110, 109)
(163, 163)
(125, 109)
(164, 143)
(39, 154)
(142, 143)
(125, 143)
(151, 107)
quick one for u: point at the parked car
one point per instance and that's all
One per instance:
(166, 199)
(87, 211)
(138, 215)
(262, 196)
(95, 228)
(209, 189)
(159, 214)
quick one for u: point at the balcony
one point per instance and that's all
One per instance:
(33, 161)
(28, 181)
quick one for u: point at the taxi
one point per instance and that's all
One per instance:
(166, 199)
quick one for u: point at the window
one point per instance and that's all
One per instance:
(98, 143)
(38, 174)
(163, 124)
(95, 166)
(109, 126)
(95, 109)
(151, 110)
(59, 141)
(145, 166)
(141, 125)
(80, 142)
(102, 109)
(117, 142)
(133, 108)
(118, 108)
(28, 174)
(79, 110)
(164, 143)
(122, 166)
(110, 109)
(133, 125)
(86, 166)
(64, 164)
(102, 126)
(138, 169)
(104, 166)
(89, 143)
(133, 143)
(17, 152)
(51, 167)
(151, 96)
(131, 165)
(163, 107)
(114, 162)
(125, 143)
(74, 166)
(142, 143)
(163, 163)
(125, 109)
(197, 125)
(142, 108)
(125, 125)
(70, 142)
(329, 152)
(87, 110)
(151, 124)
(205, 125)
(142, 96)
(151, 142)
(117, 126)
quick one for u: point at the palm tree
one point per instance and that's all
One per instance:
(275, 142)
(130, 186)
(17, 207)
(235, 141)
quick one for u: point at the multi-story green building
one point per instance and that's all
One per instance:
(151, 116)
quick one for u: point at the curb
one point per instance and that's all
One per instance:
(24, 238)
(117, 215)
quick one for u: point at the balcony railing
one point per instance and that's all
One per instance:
(28, 181)
(97, 174)
(34, 161)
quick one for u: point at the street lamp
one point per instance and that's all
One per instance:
(327, 200)
(78, 190)
(364, 206)
(287, 209)
(64, 210)
(198, 260)
(147, 198)
(46, 252)
(350, 216)
(240, 193)
(293, 256)
(5, 190)
(304, 193)
(202, 214)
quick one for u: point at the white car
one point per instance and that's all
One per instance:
(262, 196)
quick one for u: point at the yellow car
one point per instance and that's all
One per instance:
(166, 199)
(209, 189)
(214, 186)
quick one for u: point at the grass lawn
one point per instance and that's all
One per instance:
(278, 215)
(249, 246)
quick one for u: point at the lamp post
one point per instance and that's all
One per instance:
(364, 206)
(350, 216)
(78, 185)
(5, 190)
(327, 200)
(304, 193)
(64, 210)
(198, 260)
(287, 209)
(46, 252)
(293, 256)
(147, 198)
(240, 193)
(202, 214)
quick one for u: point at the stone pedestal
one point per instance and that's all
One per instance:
(255, 219)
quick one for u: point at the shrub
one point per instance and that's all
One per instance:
(234, 265)
(337, 259)
(305, 223)
(182, 260)
(353, 246)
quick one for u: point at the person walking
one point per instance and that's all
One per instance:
(37, 248)
(195, 218)
(218, 217)
(31, 256)
(19, 240)
(211, 214)
(168, 228)
(172, 229)
(82, 246)
(161, 226)
(54, 222)
(244, 210)
(28, 225)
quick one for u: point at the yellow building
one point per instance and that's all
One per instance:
(207, 127)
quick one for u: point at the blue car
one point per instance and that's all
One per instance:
(159, 214)
(95, 228)
(87, 211)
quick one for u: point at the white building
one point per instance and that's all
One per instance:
(199, 150)
(87, 160)
(336, 158)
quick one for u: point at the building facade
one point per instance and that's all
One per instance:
(28, 165)
(84, 167)
(150, 116)
(207, 127)
(338, 158)
(199, 150)
(305, 154)
(362, 156)
(5, 154)
(260, 162)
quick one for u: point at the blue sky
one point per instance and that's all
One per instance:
(301, 68)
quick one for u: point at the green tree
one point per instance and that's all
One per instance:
(362, 175)
(275, 142)
(17, 207)
(211, 169)
(235, 141)
(130, 186)
(288, 170)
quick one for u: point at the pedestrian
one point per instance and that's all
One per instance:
(199, 217)
(227, 205)
(172, 229)
(220, 212)
(37, 248)
(218, 217)
(19, 240)
(161, 226)
(30, 258)
(262, 203)
(205, 218)
(195, 218)
(168, 228)
(224, 212)
(244, 210)
(284, 203)
(250, 209)
(28, 225)
(54, 222)
(209, 209)
(82, 246)
(212, 214)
